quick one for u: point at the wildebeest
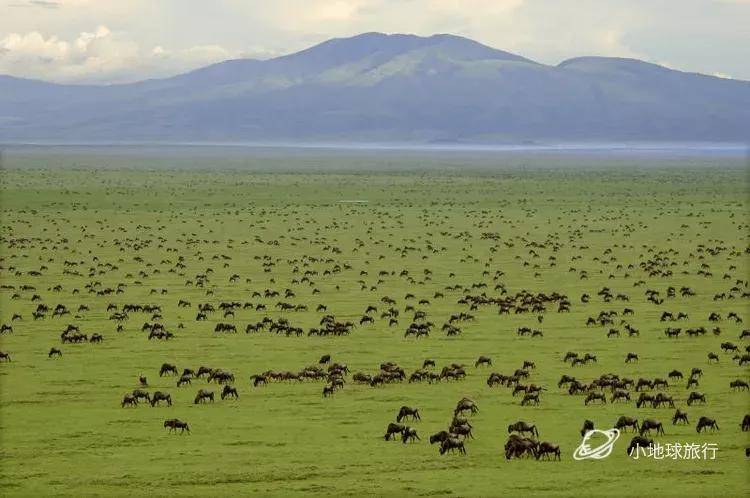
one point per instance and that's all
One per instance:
(173, 424)
(407, 411)
(483, 360)
(409, 434)
(522, 427)
(160, 396)
(4, 356)
(745, 425)
(451, 444)
(706, 423)
(229, 391)
(546, 449)
(649, 424)
(54, 352)
(129, 400)
(639, 442)
(464, 405)
(392, 430)
(588, 425)
(624, 422)
(167, 368)
(680, 416)
(202, 396)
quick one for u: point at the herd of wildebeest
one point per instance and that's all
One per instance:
(48, 296)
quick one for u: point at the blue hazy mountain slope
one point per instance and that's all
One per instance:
(395, 88)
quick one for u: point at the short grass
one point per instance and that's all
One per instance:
(62, 430)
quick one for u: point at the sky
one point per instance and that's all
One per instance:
(116, 41)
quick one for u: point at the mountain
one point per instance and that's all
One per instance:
(392, 88)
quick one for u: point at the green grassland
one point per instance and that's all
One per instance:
(62, 430)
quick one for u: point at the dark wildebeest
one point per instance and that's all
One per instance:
(203, 395)
(696, 397)
(624, 422)
(464, 405)
(160, 396)
(680, 416)
(129, 400)
(4, 356)
(522, 427)
(439, 437)
(639, 442)
(407, 411)
(173, 424)
(649, 424)
(588, 425)
(54, 352)
(167, 368)
(409, 434)
(706, 423)
(451, 444)
(392, 430)
(483, 360)
(546, 449)
(229, 391)
(745, 425)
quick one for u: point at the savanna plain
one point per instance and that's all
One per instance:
(469, 253)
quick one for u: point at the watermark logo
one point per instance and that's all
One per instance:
(584, 451)
(676, 451)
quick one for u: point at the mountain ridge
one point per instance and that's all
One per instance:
(396, 87)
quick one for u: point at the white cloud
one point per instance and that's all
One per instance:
(60, 39)
(97, 56)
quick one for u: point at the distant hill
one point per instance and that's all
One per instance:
(392, 88)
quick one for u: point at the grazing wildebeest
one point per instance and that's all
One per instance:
(706, 423)
(546, 449)
(588, 425)
(451, 444)
(483, 360)
(745, 425)
(518, 446)
(624, 422)
(696, 397)
(631, 357)
(439, 437)
(229, 391)
(639, 442)
(326, 358)
(651, 423)
(173, 424)
(409, 434)
(464, 405)
(713, 357)
(530, 399)
(202, 396)
(160, 396)
(407, 411)
(184, 379)
(328, 390)
(392, 430)
(167, 368)
(140, 394)
(680, 416)
(522, 427)
(739, 385)
(462, 430)
(259, 379)
(595, 396)
(129, 400)
(54, 352)
(428, 363)
(4, 356)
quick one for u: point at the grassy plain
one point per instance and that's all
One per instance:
(62, 430)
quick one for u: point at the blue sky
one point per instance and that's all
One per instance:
(107, 41)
